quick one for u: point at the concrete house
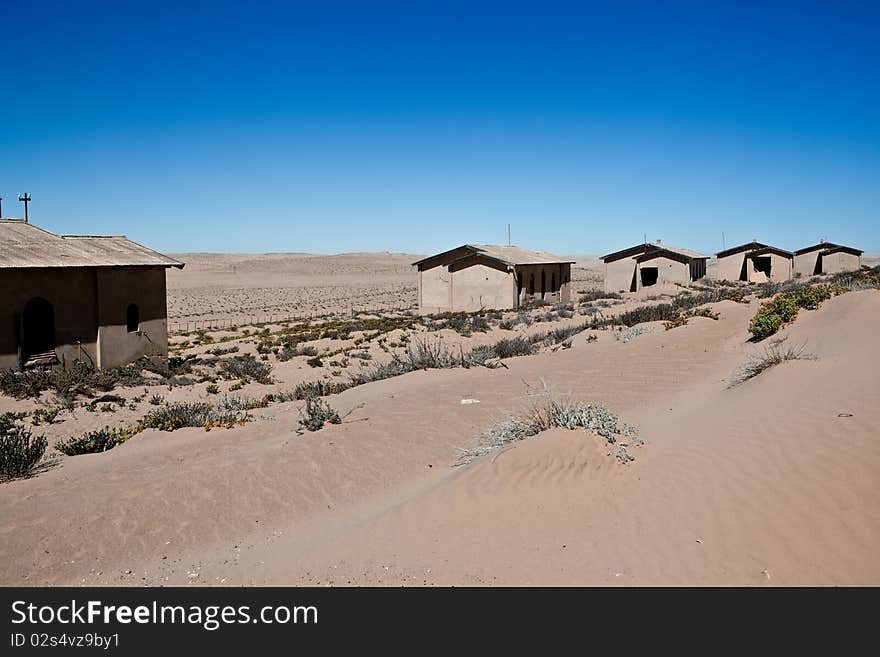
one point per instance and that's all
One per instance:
(755, 262)
(651, 263)
(484, 276)
(65, 298)
(826, 258)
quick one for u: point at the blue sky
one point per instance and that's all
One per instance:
(414, 126)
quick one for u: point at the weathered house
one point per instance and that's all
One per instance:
(481, 276)
(754, 262)
(826, 258)
(651, 263)
(66, 298)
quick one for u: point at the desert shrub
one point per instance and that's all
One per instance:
(594, 295)
(212, 389)
(93, 442)
(460, 322)
(777, 352)
(246, 367)
(315, 362)
(156, 400)
(521, 318)
(683, 318)
(633, 332)
(547, 411)
(316, 414)
(20, 452)
(784, 307)
(191, 414)
(510, 347)
(44, 415)
(287, 352)
(865, 279)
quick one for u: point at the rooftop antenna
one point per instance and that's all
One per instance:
(508, 234)
(1, 207)
(25, 198)
(723, 242)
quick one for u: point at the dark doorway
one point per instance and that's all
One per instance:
(762, 264)
(553, 283)
(132, 318)
(38, 328)
(543, 283)
(648, 276)
(531, 285)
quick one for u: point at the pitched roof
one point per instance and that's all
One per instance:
(770, 249)
(816, 247)
(23, 246)
(507, 255)
(653, 246)
(843, 249)
(748, 246)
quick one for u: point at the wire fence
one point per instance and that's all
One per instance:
(259, 319)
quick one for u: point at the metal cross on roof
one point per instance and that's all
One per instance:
(25, 198)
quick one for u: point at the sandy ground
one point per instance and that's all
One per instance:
(238, 288)
(773, 482)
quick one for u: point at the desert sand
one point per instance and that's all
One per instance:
(772, 482)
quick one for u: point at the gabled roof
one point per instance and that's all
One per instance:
(748, 246)
(25, 246)
(843, 249)
(821, 246)
(770, 249)
(644, 249)
(506, 255)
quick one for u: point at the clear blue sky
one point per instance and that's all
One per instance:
(413, 126)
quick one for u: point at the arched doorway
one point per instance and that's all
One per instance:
(38, 327)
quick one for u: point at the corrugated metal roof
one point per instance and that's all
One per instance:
(514, 255)
(23, 245)
(650, 246)
(508, 255)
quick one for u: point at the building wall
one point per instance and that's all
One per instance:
(619, 275)
(561, 293)
(805, 264)
(839, 262)
(435, 292)
(480, 286)
(668, 271)
(780, 269)
(730, 267)
(81, 298)
(70, 291)
(117, 289)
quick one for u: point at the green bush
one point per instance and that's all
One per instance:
(93, 442)
(317, 413)
(784, 307)
(19, 450)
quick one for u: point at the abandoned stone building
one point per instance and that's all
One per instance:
(649, 264)
(68, 298)
(481, 276)
(826, 258)
(754, 262)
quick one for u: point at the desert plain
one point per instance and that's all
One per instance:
(766, 481)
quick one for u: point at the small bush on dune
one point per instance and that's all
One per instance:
(191, 414)
(20, 452)
(246, 367)
(510, 347)
(547, 411)
(776, 353)
(316, 414)
(93, 442)
(594, 295)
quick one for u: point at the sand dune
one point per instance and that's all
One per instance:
(772, 482)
